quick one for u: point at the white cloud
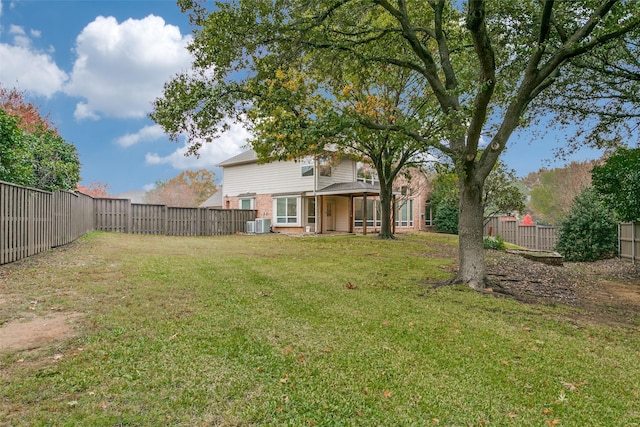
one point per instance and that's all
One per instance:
(20, 37)
(83, 111)
(29, 70)
(228, 145)
(147, 133)
(16, 29)
(122, 67)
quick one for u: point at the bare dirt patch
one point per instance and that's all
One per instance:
(35, 332)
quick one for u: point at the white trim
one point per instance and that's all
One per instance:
(299, 212)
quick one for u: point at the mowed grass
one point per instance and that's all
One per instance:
(277, 330)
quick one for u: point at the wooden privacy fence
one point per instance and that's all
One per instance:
(120, 215)
(33, 221)
(629, 241)
(536, 237)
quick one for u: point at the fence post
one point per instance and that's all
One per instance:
(619, 240)
(633, 242)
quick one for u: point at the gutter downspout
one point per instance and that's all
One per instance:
(315, 196)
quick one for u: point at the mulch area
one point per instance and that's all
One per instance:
(606, 291)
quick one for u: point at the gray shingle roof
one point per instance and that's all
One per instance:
(215, 201)
(357, 187)
(248, 156)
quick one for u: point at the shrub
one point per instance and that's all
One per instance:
(588, 232)
(445, 218)
(494, 243)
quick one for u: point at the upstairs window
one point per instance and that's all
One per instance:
(367, 173)
(324, 166)
(307, 165)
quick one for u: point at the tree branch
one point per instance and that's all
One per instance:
(477, 27)
(445, 59)
(430, 68)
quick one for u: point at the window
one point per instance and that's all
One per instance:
(311, 210)
(404, 214)
(307, 166)
(428, 214)
(287, 210)
(373, 212)
(366, 173)
(246, 204)
(324, 166)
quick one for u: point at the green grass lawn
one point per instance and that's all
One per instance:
(276, 330)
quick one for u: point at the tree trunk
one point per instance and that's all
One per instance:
(386, 195)
(470, 229)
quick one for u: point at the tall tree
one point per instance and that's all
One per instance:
(480, 63)
(502, 196)
(13, 102)
(32, 153)
(14, 152)
(605, 76)
(618, 183)
(552, 191)
(292, 120)
(95, 189)
(188, 189)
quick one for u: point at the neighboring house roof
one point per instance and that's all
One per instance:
(136, 196)
(248, 156)
(215, 201)
(357, 187)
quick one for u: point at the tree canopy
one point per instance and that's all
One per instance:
(32, 153)
(475, 69)
(188, 189)
(552, 191)
(618, 183)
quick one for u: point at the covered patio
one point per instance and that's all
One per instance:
(335, 206)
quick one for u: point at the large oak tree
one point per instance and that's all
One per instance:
(477, 66)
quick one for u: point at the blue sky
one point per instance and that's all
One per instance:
(95, 66)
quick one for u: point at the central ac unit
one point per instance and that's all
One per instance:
(263, 225)
(250, 227)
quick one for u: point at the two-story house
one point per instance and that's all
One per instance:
(317, 195)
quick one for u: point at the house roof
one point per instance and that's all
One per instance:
(357, 187)
(248, 156)
(214, 201)
(136, 196)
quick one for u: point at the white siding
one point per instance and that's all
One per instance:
(280, 177)
(345, 171)
(269, 178)
(342, 207)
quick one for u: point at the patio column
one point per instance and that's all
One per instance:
(364, 214)
(320, 209)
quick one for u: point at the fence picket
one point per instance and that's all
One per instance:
(536, 237)
(629, 241)
(33, 221)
